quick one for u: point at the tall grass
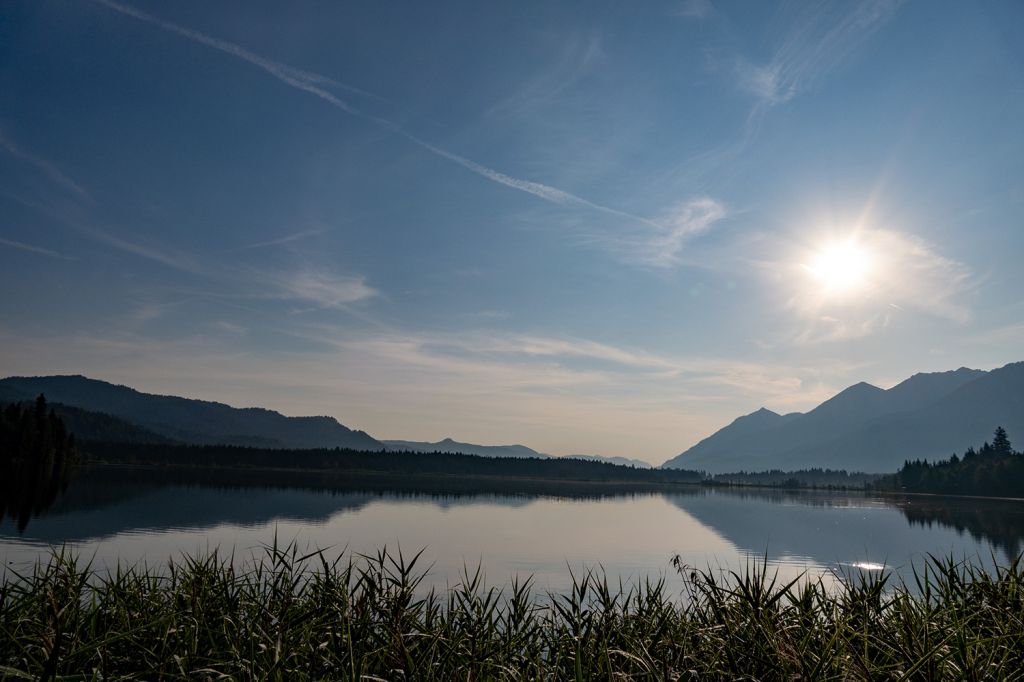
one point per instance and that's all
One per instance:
(295, 616)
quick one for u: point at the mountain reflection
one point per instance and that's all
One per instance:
(123, 499)
(851, 527)
(826, 528)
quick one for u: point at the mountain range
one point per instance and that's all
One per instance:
(449, 445)
(186, 420)
(97, 410)
(866, 428)
(862, 428)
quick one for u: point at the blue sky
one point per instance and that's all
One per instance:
(595, 227)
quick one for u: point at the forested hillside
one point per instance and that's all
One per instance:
(994, 469)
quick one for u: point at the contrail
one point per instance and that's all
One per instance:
(22, 246)
(311, 83)
(45, 166)
(286, 73)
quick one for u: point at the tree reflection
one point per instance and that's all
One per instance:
(998, 521)
(36, 459)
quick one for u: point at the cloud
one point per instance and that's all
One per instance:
(46, 167)
(695, 9)
(319, 287)
(289, 74)
(541, 346)
(469, 360)
(818, 42)
(21, 246)
(311, 83)
(662, 243)
(231, 327)
(557, 394)
(168, 257)
(286, 239)
(577, 55)
(325, 289)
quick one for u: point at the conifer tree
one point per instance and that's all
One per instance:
(1001, 443)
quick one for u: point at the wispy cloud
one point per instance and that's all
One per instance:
(822, 38)
(285, 239)
(289, 74)
(661, 244)
(818, 42)
(474, 385)
(577, 55)
(165, 256)
(320, 287)
(520, 361)
(695, 9)
(48, 168)
(325, 289)
(231, 327)
(543, 346)
(311, 83)
(21, 246)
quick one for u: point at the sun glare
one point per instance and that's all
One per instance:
(840, 267)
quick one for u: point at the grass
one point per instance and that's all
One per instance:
(289, 616)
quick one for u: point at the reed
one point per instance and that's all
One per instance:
(290, 615)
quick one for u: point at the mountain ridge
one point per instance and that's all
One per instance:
(99, 408)
(866, 428)
(451, 445)
(191, 420)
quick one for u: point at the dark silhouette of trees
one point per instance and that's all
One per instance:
(397, 464)
(994, 470)
(1001, 443)
(803, 478)
(36, 456)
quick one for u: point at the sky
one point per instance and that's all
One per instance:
(589, 227)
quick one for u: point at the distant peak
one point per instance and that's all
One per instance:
(759, 415)
(859, 388)
(864, 386)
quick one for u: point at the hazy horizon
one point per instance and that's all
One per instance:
(588, 228)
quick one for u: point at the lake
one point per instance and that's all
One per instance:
(509, 528)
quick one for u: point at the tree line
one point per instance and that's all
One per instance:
(340, 460)
(803, 478)
(994, 469)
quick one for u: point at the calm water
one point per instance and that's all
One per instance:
(136, 517)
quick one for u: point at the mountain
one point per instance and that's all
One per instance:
(866, 428)
(96, 426)
(449, 445)
(10, 394)
(621, 461)
(191, 421)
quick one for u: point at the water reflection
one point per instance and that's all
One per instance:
(120, 499)
(510, 526)
(998, 522)
(859, 529)
(30, 485)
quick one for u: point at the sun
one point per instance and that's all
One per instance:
(840, 267)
